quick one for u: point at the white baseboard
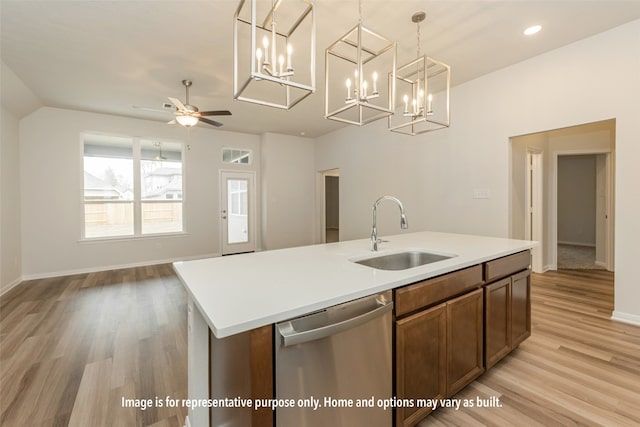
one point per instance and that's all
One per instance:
(11, 285)
(112, 267)
(632, 319)
(589, 245)
(545, 268)
(602, 264)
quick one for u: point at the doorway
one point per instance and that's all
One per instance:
(581, 215)
(237, 212)
(534, 181)
(331, 203)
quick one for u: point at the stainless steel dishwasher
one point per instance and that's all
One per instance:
(342, 353)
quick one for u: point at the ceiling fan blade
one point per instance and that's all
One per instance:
(215, 113)
(177, 103)
(152, 109)
(211, 122)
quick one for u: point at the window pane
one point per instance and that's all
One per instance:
(161, 180)
(108, 186)
(161, 217)
(108, 219)
(108, 178)
(238, 220)
(232, 155)
(161, 170)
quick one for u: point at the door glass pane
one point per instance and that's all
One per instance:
(237, 204)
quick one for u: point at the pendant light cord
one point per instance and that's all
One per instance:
(418, 25)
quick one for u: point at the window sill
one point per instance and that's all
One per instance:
(130, 238)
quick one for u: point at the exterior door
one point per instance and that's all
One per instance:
(237, 212)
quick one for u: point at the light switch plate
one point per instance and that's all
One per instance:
(481, 193)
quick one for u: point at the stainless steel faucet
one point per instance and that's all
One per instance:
(374, 231)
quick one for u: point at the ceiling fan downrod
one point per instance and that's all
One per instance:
(186, 84)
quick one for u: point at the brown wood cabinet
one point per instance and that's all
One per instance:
(421, 361)
(464, 340)
(451, 328)
(507, 314)
(438, 352)
(520, 307)
(497, 304)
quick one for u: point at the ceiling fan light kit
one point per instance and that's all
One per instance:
(354, 91)
(270, 41)
(188, 115)
(187, 121)
(423, 86)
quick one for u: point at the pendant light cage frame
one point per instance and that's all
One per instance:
(424, 85)
(356, 56)
(281, 86)
(428, 82)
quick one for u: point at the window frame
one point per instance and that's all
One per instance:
(137, 200)
(249, 155)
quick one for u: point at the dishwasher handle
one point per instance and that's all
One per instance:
(292, 337)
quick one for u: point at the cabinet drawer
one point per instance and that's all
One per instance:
(506, 266)
(423, 294)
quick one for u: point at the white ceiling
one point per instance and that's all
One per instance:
(106, 56)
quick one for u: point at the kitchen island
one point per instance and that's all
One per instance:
(235, 301)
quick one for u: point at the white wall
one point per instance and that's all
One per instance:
(51, 181)
(436, 174)
(577, 200)
(10, 243)
(288, 191)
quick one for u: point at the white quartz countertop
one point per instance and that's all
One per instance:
(242, 292)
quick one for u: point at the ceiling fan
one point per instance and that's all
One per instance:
(188, 115)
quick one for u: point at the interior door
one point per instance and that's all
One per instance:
(534, 196)
(237, 212)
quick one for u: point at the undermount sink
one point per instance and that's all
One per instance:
(402, 260)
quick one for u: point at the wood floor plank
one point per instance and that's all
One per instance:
(72, 348)
(578, 367)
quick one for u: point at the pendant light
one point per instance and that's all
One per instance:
(271, 40)
(423, 85)
(159, 157)
(357, 90)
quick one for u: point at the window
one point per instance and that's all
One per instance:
(237, 156)
(161, 178)
(132, 186)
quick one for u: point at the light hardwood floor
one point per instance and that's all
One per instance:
(71, 348)
(578, 368)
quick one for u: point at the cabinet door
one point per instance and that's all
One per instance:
(464, 340)
(497, 321)
(420, 361)
(520, 307)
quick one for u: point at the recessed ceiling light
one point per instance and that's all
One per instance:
(532, 30)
